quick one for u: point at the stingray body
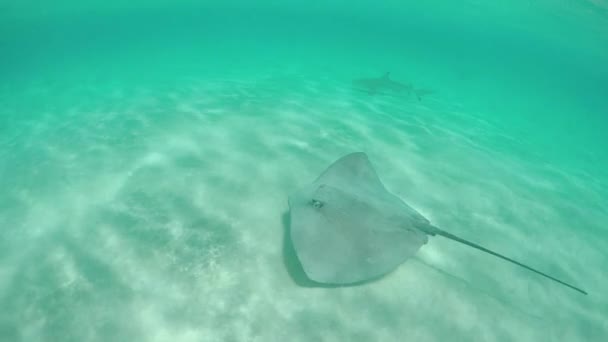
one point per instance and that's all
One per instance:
(346, 228)
(380, 84)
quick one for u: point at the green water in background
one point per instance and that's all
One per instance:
(147, 150)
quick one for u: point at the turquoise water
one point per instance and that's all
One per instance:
(147, 151)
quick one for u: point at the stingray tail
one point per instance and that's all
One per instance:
(468, 243)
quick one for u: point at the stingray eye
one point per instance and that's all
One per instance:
(316, 203)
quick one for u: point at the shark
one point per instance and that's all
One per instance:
(380, 84)
(384, 84)
(422, 92)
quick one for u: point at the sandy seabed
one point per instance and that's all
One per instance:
(158, 213)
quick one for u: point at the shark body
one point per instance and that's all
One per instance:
(384, 84)
(380, 84)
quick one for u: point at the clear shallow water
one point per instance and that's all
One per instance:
(146, 154)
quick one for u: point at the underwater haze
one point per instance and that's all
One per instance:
(147, 151)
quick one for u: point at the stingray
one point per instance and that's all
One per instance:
(347, 228)
(380, 84)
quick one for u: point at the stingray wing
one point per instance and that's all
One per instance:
(341, 237)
